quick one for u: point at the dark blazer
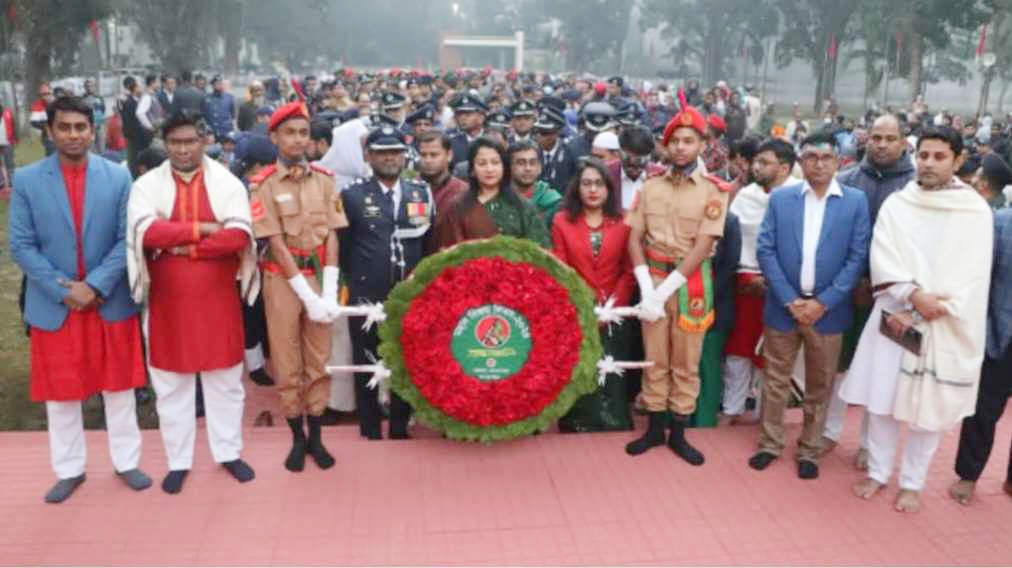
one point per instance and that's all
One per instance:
(840, 257)
(610, 272)
(725, 273)
(366, 242)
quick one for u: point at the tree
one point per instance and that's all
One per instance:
(590, 31)
(181, 31)
(815, 32)
(701, 30)
(929, 25)
(52, 30)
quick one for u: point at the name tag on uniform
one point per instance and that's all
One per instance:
(283, 198)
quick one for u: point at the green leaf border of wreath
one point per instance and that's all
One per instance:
(584, 376)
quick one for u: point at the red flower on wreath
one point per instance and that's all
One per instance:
(427, 333)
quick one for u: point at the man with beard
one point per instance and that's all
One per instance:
(85, 334)
(676, 220)
(434, 151)
(469, 115)
(523, 113)
(296, 207)
(321, 136)
(190, 235)
(387, 219)
(920, 355)
(885, 169)
(525, 169)
(771, 169)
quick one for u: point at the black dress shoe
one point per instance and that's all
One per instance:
(808, 469)
(761, 460)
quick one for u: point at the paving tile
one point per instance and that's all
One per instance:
(548, 500)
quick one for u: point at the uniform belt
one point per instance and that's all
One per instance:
(271, 266)
(658, 263)
(807, 296)
(304, 257)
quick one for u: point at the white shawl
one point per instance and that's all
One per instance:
(345, 157)
(750, 207)
(942, 241)
(153, 197)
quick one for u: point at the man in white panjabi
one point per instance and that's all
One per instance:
(930, 267)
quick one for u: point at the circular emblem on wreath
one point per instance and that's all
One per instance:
(491, 339)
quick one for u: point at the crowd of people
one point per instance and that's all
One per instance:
(811, 263)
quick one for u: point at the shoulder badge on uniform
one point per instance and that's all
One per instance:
(256, 209)
(714, 208)
(263, 174)
(721, 184)
(656, 173)
(320, 169)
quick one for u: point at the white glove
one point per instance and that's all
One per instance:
(651, 309)
(330, 277)
(669, 286)
(316, 307)
(643, 278)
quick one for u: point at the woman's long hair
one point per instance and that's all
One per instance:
(505, 189)
(572, 203)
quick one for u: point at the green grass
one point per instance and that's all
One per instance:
(17, 411)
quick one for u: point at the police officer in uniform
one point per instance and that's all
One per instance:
(524, 115)
(558, 163)
(595, 118)
(387, 219)
(469, 114)
(392, 105)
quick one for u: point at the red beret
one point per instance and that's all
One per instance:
(717, 123)
(687, 118)
(294, 109)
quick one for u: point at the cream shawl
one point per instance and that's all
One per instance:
(942, 241)
(153, 197)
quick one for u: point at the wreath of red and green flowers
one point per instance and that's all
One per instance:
(423, 311)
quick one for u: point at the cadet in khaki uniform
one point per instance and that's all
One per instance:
(676, 221)
(296, 206)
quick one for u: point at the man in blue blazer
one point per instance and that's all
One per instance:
(812, 248)
(67, 231)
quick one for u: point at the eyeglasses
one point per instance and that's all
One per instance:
(824, 159)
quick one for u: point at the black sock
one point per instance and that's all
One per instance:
(296, 460)
(173, 482)
(320, 454)
(239, 470)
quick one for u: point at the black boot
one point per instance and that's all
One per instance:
(320, 454)
(297, 457)
(654, 435)
(679, 445)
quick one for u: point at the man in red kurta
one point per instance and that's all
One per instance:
(67, 232)
(192, 246)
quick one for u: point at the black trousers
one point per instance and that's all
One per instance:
(254, 323)
(366, 401)
(977, 435)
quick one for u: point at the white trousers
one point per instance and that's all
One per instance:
(739, 373)
(342, 385)
(67, 451)
(223, 405)
(883, 437)
(838, 412)
(254, 358)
